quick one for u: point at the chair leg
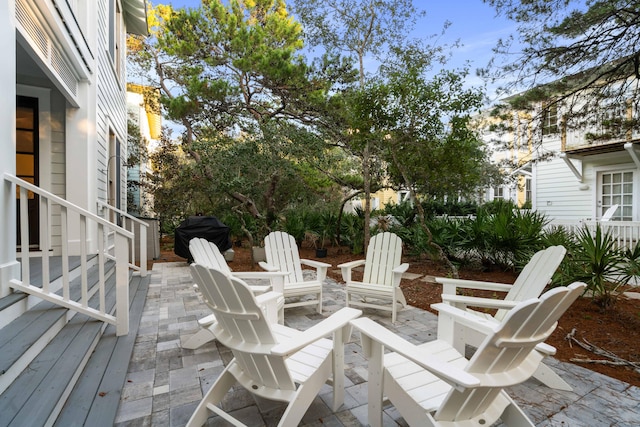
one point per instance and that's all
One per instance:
(319, 307)
(394, 308)
(304, 396)
(513, 415)
(375, 387)
(550, 378)
(214, 396)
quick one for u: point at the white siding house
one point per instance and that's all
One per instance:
(577, 174)
(63, 114)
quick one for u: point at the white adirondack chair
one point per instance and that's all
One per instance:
(530, 283)
(270, 360)
(282, 255)
(207, 253)
(380, 285)
(432, 384)
(608, 214)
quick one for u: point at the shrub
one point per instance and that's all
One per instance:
(595, 261)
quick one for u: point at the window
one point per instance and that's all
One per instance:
(616, 188)
(498, 193)
(115, 30)
(550, 120)
(610, 123)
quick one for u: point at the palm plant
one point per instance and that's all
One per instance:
(597, 262)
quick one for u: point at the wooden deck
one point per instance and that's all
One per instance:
(78, 368)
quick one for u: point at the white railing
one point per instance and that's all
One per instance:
(626, 233)
(73, 219)
(129, 223)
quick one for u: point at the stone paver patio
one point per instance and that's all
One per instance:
(165, 382)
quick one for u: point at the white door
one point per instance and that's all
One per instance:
(616, 188)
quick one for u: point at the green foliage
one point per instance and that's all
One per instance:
(352, 231)
(632, 257)
(231, 220)
(403, 212)
(415, 240)
(498, 235)
(596, 261)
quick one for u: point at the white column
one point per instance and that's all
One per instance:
(9, 267)
(80, 163)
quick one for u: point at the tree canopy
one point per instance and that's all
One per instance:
(578, 54)
(267, 127)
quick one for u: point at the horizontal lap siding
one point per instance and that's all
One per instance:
(557, 189)
(558, 193)
(111, 104)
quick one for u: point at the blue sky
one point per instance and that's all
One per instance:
(473, 22)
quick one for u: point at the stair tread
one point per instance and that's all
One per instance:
(96, 396)
(32, 397)
(36, 393)
(11, 299)
(25, 330)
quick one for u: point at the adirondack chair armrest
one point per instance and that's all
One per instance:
(461, 301)
(207, 320)
(449, 286)
(313, 263)
(269, 275)
(275, 277)
(402, 268)
(372, 333)
(546, 349)
(328, 326)
(398, 272)
(268, 298)
(268, 267)
(321, 268)
(451, 313)
(271, 304)
(346, 268)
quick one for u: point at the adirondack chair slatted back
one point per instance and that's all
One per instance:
(243, 328)
(208, 254)
(503, 358)
(384, 253)
(535, 276)
(282, 252)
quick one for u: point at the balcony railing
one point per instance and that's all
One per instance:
(625, 233)
(80, 233)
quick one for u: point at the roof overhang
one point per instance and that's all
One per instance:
(135, 16)
(580, 153)
(592, 150)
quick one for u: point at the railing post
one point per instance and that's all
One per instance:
(143, 250)
(122, 284)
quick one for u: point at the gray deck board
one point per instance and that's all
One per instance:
(104, 409)
(19, 335)
(55, 268)
(11, 299)
(32, 396)
(36, 410)
(24, 331)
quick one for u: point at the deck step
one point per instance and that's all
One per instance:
(39, 393)
(17, 303)
(26, 335)
(96, 396)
